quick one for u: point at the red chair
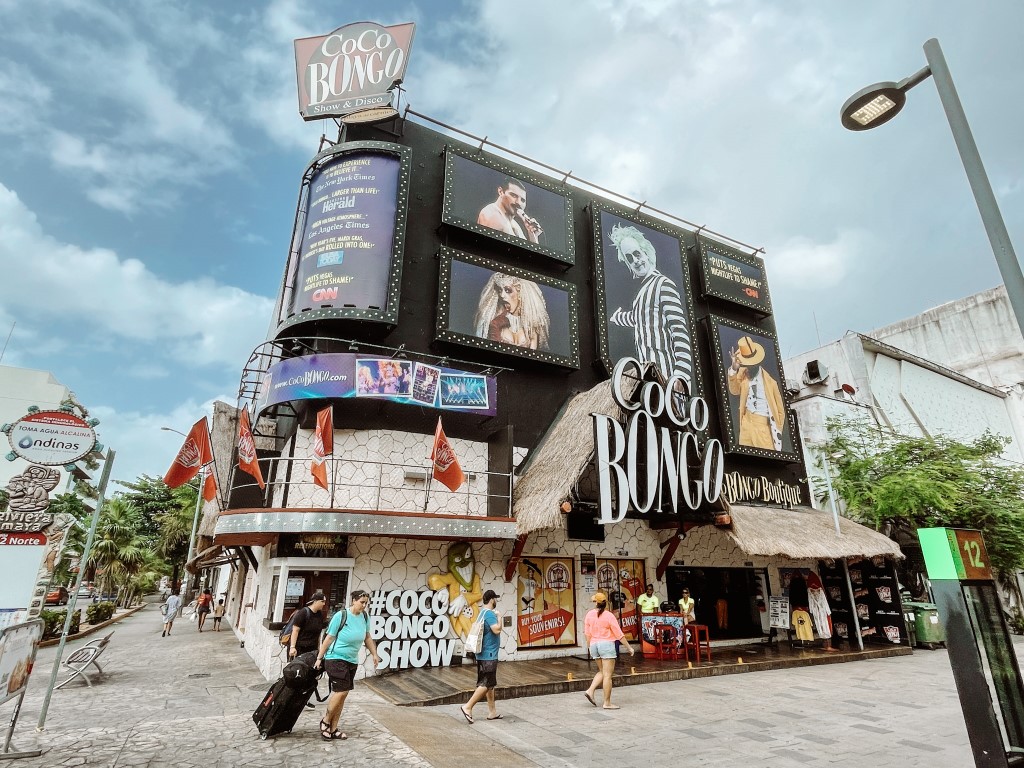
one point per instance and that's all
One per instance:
(697, 638)
(667, 645)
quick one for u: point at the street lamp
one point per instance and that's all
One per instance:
(879, 103)
(195, 516)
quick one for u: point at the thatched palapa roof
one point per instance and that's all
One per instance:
(804, 533)
(555, 466)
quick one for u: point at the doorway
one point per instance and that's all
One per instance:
(730, 601)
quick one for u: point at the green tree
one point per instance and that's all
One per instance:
(899, 483)
(168, 514)
(120, 548)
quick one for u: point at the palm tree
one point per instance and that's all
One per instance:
(120, 549)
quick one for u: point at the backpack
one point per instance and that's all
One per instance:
(286, 631)
(300, 673)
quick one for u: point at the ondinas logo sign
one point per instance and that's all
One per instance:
(51, 438)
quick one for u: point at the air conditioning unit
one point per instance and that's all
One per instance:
(815, 372)
(792, 387)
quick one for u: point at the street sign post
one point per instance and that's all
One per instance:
(988, 679)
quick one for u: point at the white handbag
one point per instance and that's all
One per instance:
(475, 636)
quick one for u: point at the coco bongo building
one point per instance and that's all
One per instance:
(607, 378)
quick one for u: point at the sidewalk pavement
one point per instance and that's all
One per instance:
(187, 699)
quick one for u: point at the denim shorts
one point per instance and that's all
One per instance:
(603, 649)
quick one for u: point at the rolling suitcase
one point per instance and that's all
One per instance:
(286, 699)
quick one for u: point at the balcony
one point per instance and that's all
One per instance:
(365, 497)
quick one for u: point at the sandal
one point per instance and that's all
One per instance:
(325, 731)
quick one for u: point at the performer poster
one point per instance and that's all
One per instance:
(644, 306)
(623, 581)
(546, 602)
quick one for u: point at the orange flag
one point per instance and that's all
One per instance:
(194, 453)
(247, 461)
(446, 465)
(323, 445)
(209, 486)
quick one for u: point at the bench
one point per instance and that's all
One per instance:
(80, 660)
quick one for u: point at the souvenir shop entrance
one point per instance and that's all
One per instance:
(730, 601)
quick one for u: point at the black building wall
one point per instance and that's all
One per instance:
(532, 392)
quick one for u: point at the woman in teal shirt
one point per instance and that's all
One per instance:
(339, 654)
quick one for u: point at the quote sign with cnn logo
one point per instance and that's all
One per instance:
(735, 276)
(348, 236)
(352, 69)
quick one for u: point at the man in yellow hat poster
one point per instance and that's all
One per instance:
(761, 408)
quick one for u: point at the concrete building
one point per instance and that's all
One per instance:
(513, 344)
(33, 537)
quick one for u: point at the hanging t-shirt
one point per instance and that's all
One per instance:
(802, 625)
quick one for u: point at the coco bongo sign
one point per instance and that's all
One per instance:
(353, 69)
(650, 460)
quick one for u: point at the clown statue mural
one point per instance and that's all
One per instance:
(463, 585)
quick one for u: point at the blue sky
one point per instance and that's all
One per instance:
(150, 156)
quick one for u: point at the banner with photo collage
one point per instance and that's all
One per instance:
(353, 375)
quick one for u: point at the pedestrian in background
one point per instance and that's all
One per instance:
(170, 610)
(339, 655)
(218, 614)
(204, 604)
(487, 659)
(602, 629)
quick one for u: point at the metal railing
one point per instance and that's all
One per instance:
(379, 486)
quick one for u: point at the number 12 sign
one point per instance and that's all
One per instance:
(955, 554)
(970, 555)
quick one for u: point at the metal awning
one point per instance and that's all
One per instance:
(261, 526)
(804, 533)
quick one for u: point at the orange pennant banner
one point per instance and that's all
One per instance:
(446, 464)
(323, 445)
(192, 456)
(247, 460)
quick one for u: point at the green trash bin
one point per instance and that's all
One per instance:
(911, 623)
(927, 627)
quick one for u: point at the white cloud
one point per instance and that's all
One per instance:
(93, 290)
(802, 264)
(140, 446)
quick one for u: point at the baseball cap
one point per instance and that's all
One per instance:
(318, 595)
(489, 595)
(599, 597)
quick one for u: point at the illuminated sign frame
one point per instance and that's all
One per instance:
(734, 276)
(287, 316)
(609, 275)
(728, 404)
(471, 181)
(445, 332)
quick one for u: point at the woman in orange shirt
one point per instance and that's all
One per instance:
(602, 630)
(204, 604)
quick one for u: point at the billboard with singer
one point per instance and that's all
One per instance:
(491, 306)
(346, 255)
(484, 195)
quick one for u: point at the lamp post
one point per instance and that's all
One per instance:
(879, 103)
(195, 516)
